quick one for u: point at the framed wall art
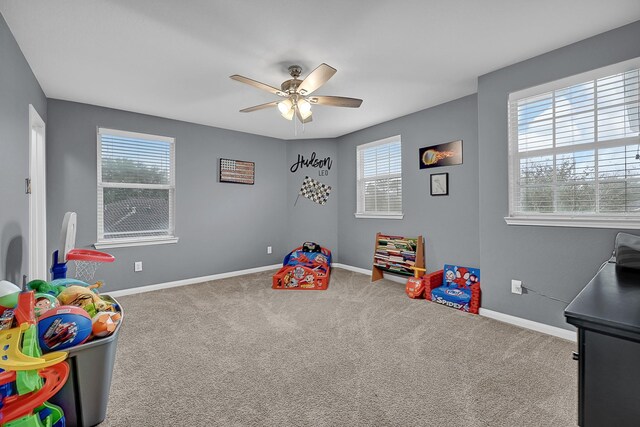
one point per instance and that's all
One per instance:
(447, 154)
(439, 184)
(237, 171)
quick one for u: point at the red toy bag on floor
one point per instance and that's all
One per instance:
(415, 285)
(414, 288)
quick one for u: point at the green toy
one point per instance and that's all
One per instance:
(43, 287)
(8, 294)
(55, 415)
(28, 381)
(28, 421)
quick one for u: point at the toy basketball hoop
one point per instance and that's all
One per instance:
(86, 260)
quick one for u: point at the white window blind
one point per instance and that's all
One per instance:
(379, 178)
(575, 149)
(136, 187)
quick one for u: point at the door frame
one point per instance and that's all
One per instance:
(37, 197)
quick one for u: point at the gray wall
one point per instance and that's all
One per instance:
(226, 227)
(553, 260)
(222, 227)
(18, 89)
(448, 224)
(309, 221)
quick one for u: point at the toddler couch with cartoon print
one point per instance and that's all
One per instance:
(454, 286)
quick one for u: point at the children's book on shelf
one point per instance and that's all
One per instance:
(397, 254)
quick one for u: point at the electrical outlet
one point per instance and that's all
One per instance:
(137, 266)
(516, 287)
(269, 249)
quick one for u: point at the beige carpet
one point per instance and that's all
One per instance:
(235, 352)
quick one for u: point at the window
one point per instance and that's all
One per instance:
(136, 189)
(574, 151)
(379, 179)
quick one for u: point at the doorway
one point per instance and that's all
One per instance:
(36, 189)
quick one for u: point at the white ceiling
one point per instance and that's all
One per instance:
(174, 58)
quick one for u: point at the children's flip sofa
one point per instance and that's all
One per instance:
(454, 286)
(307, 267)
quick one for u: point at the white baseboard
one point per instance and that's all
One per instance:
(191, 281)
(350, 268)
(496, 315)
(530, 324)
(391, 277)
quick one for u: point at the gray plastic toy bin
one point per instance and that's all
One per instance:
(85, 395)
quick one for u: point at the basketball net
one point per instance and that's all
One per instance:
(86, 270)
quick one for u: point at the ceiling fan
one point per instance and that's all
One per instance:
(297, 93)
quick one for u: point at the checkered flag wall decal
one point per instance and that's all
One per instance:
(314, 190)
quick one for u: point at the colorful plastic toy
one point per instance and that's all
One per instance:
(44, 303)
(63, 327)
(12, 358)
(44, 287)
(29, 379)
(84, 298)
(456, 287)
(105, 323)
(415, 285)
(304, 269)
(16, 407)
(68, 282)
(6, 319)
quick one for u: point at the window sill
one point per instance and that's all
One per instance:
(134, 242)
(575, 221)
(374, 216)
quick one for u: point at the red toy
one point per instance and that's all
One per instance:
(415, 285)
(307, 267)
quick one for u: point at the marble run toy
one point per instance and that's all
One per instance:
(29, 378)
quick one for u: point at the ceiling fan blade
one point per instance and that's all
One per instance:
(259, 107)
(317, 78)
(299, 116)
(336, 101)
(257, 84)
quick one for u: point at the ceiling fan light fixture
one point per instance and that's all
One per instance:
(289, 114)
(304, 106)
(285, 107)
(305, 114)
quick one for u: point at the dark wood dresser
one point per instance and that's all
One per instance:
(607, 315)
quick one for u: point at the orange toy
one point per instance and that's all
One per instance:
(20, 406)
(104, 323)
(415, 285)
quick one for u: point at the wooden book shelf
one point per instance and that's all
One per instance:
(396, 255)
